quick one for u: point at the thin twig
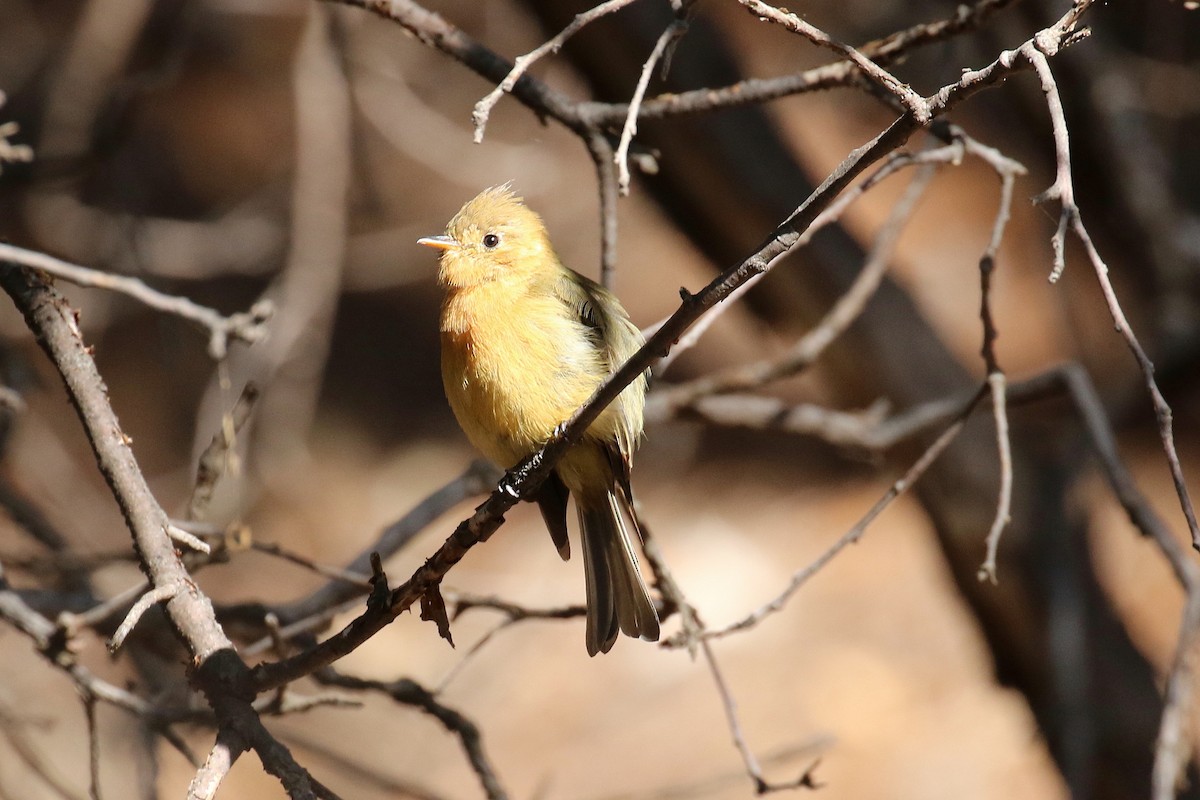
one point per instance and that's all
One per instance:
(807, 779)
(186, 539)
(753, 91)
(483, 109)
(363, 582)
(413, 694)
(1063, 190)
(997, 382)
(89, 710)
(670, 400)
(856, 532)
(672, 34)
(246, 326)
(916, 105)
(673, 599)
(220, 760)
(997, 386)
(159, 594)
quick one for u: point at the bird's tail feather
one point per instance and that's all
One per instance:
(617, 597)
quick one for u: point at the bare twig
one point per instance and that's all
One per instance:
(670, 400)
(363, 582)
(916, 105)
(483, 108)
(89, 710)
(247, 326)
(1162, 411)
(997, 382)
(1063, 190)
(673, 598)
(513, 612)
(220, 760)
(186, 539)
(761, 90)
(807, 779)
(997, 385)
(159, 594)
(672, 34)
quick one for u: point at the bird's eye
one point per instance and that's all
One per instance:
(491, 240)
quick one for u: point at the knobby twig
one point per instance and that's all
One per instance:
(1008, 170)
(1063, 191)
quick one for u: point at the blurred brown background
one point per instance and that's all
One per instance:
(230, 148)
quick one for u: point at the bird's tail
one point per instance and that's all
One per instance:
(617, 597)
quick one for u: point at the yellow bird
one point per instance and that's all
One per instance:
(525, 342)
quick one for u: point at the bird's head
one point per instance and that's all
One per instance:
(494, 236)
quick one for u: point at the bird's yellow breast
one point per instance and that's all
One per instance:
(515, 364)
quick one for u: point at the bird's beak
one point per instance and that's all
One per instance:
(438, 242)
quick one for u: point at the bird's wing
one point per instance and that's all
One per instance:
(615, 338)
